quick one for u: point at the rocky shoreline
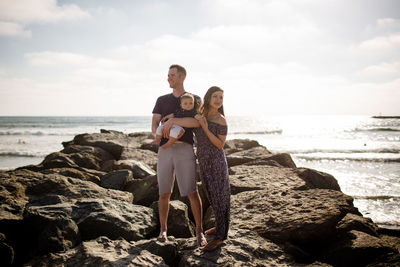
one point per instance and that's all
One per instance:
(95, 203)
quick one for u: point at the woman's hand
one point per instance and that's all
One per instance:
(203, 123)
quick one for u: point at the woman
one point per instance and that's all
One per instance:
(211, 138)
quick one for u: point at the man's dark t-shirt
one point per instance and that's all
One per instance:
(168, 104)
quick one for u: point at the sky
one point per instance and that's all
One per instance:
(271, 57)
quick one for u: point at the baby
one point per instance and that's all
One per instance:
(186, 110)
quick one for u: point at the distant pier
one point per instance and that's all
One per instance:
(386, 117)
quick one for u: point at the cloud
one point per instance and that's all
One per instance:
(28, 11)
(388, 23)
(16, 15)
(67, 59)
(13, 29)
(389, 42)
(383, 72)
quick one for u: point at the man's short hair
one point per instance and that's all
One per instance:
(179, 68)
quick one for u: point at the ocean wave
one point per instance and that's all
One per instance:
(346, 151)
(22, 154)
(344, 158)
(379, 129)
(35, 133)
(260, 132)
(384, 197)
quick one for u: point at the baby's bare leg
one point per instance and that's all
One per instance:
(171, 140)
(157, 140)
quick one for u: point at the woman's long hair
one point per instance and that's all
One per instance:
(204, 109)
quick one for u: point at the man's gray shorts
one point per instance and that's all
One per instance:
(178, 159)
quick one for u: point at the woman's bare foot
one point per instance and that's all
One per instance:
(210, 231)
(201, 239)
(212, 245)
(162, 237)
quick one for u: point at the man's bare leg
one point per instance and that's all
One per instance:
(163, 209)
(197, 210)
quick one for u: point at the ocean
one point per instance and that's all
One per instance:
(361, 152)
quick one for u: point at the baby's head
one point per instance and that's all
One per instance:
(187, 101)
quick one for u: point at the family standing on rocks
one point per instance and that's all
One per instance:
(100, 202)
(176, 156)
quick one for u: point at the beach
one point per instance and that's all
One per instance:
(361, 152)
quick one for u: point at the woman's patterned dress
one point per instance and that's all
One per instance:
(214, 176)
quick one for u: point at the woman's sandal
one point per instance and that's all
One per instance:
(213, 245)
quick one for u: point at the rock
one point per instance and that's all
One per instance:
(242, 248)
(144, 191)
(306, 217)
(248, 178)
(58, 160)
(81, 173)
(6, 252)
(97, 152)
(72, 160)
(139, 169)
(114, 219)
(13, 199)
(248, 155)
(178, 222)
(111, 141)
(101, 252)
(52, 234)
(167, 250)
(235, 145)
(145, 156)
(282, 159)
(357, 222)
(358, 249)
(51, 202)
(317, 179)
(150, 147)
(116, 179)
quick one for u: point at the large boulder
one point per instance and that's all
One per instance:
(302, 217)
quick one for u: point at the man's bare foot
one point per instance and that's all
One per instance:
(201, 240)
(162, 237)
(212, 245)
(210, 231)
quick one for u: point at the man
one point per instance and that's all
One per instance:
(179, 158)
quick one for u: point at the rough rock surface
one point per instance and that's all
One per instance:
(62, 212)
(101, 252)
